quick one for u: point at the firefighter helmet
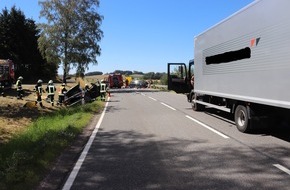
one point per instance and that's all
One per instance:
(39, 81)
(50, 82)
(20, 78)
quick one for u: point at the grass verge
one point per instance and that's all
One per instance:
(28, 155)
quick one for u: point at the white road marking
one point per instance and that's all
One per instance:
(74, 172)
(152, 98)
(284, 169)
(208, 127)
(168, 106)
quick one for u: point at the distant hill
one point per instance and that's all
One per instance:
(94, 73)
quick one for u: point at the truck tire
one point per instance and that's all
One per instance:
(242, 120)
(195, 106)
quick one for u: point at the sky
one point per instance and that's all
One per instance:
(145, 35)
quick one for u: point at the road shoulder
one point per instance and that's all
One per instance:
(61, 168)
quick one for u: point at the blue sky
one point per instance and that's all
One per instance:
(144, 35)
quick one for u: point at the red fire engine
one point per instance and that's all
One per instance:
(115, 80)
(6, 73)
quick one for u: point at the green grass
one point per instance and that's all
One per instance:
(27, 156)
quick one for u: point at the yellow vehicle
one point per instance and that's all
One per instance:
(128, 81)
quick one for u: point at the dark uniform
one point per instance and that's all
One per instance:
(39, 90)
(103, 90)
(190, 96)
(61, 94)
(50, 89)
(19, 87)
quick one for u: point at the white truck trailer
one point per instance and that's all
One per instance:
(242, 64)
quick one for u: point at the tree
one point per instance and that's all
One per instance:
(149, 75)
(71, 34)
(138, 72)
(18, 42)
(164, 79)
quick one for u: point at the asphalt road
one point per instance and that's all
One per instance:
(153, 140)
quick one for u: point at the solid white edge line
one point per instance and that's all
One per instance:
(152, 98)
(168, 106)
(208, 127)
(74, 172)
(284, 169)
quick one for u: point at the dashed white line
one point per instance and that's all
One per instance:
(168, 106)
(152, 98)
(208, 127)
(69, 182)
(284, 169)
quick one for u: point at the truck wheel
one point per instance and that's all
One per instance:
(195, 106)
(242, 119)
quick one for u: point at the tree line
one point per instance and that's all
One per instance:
(146, 76)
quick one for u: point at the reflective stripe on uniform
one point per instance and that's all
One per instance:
(51, 90)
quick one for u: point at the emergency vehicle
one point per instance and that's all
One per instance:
(6, 73)
(115, 80)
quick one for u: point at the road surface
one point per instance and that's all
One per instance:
(153, 140)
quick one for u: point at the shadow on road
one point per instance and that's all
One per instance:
(276, 126)
(131, 160)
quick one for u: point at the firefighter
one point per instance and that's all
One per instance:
(61, 94)
(103, 90)
(39, 90)
(191, 94)
(19, 87)
(192, 81)
(50, 89)
(108, 90)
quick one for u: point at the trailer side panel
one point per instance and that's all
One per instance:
(247, 56)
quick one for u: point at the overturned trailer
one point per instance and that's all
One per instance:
(76, 95)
